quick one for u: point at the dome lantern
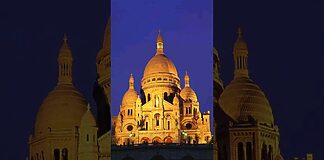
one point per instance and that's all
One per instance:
(131, 82)
(159, 44)
(240, 52)
(187, 83)
(65, 60)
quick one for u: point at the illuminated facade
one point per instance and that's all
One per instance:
(245, 128)
(65, 128)
(162, 112)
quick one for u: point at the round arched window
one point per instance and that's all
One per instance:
(129, 127)
(188, 125)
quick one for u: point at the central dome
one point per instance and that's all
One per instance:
(242, 99)
(63, 108)
(160, 63)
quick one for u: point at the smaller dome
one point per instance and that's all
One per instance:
(131, 95)
(88, 119)
(188, 93)
(240, 44)
(65, 50)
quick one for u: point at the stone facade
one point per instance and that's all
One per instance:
(245, 128)
(65, 128)
(162, 112)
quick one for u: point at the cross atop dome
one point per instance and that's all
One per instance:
(187, 83)
(240, 53)
(159, 43)
(131, 82)
(65, 60)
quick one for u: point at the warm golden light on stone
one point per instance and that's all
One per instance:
(163, 113)
(65, 128)
(244, 124)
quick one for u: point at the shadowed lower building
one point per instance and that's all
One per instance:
(245, 127)
(65, 128)
(161, 116)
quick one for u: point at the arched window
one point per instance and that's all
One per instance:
(87, 137)
(65, 154)
(146, 126)
(157, 119)
(264, 152)
(270, 157)
(148, 97)
(128, 141)
(249, 153)
(56, 154)
(165, 96)
(168, 125)
(240, 151)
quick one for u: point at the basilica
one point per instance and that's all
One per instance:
(162, 112)
(163, 116)
(244, 124)
(65, 127)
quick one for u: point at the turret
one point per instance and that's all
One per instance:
(240, 53)
(65, 60)
(159, 44)
(88, 146)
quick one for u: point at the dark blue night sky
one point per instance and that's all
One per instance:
(187, 29)
(285, 40)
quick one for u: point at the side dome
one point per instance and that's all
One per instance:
(187, 93)
(242, 99)
(63, 108)
(130, 95)
(88, 119)
(160, 63)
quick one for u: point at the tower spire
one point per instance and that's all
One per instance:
(159, 43)
(187, 83)
(240, 53)
(131, 82)
(65, 60)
